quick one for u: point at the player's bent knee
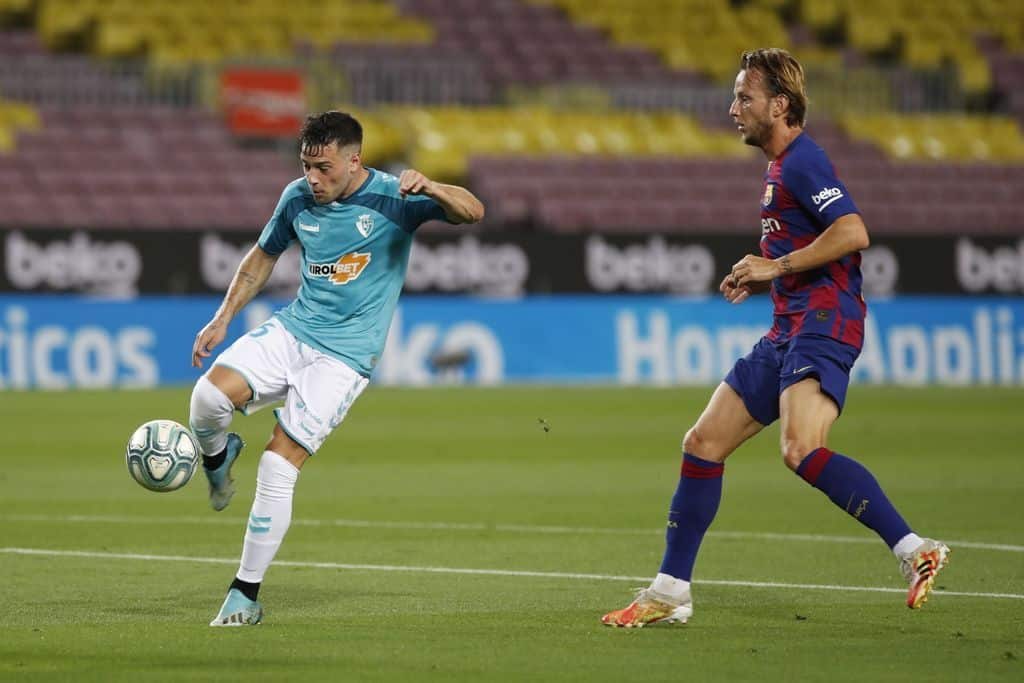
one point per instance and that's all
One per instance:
(693, 441)
(209, 403)
(794, 452)
(696, 443)
(287, 447)
(210, 413)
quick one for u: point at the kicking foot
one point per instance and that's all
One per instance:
(921, 567)
(222, 486)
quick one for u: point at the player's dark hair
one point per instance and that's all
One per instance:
(320, 130)
(782, 75)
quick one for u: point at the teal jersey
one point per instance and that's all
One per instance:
(354, 255)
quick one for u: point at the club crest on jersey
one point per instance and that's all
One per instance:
(365, 224)
(344, 270)
(768, 191)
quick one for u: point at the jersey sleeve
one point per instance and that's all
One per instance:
(279, 230)
(813, 182)
(418, 209)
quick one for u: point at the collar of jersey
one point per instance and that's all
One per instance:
(366, 183)
(792, 144)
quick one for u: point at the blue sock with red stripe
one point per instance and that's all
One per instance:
(853, 488)
(693, 508)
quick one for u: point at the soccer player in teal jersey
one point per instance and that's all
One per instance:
(354, 226)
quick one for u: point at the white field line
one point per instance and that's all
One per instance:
(470, 526)
(477, 572)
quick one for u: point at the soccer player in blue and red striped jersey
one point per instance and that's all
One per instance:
(811, 237)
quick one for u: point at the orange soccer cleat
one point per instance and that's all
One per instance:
(651, 607)
(921, 567)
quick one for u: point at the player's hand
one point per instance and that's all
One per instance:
(732, 293)
(208, 338)
(752, 269)
(414, 182)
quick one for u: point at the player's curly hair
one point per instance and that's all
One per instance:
(782, 75)
(320, 130)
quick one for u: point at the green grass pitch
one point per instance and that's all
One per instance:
(121, 582)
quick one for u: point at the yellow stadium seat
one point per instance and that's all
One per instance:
(15, 6)
(868, 32)
(119, 38)
(701, 35)
(921, 51)
(440, 140)
(244, 27)
(6, 140)
(58, 20)
(17, 116)
(974, 73)
(820, 14)
(941, 137)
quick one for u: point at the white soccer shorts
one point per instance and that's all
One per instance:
(317, 389)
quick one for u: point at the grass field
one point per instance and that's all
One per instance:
(104, 581)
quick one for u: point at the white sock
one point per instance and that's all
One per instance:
(907, 545)
(210, 413)
(670, 586)
(270, 516)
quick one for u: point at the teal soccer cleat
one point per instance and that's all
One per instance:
(238, 610)
(222, 486)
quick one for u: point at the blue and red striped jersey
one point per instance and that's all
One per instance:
(802, 197)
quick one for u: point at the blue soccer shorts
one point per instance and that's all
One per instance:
(761, 376)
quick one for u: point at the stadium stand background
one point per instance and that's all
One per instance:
(564, 115)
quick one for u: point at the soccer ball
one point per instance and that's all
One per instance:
(162, 455)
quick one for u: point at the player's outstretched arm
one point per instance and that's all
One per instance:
(459, 204)
(253, 272)
(845, 236)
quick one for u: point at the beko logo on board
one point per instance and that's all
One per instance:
(980, 268)
(468, 265)
(655, 265)
(78, 263)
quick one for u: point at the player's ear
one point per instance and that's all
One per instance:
(780, 104)
(352, 155)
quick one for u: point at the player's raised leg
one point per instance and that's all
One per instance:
(214, 399)
(807, 415)
(721, 428)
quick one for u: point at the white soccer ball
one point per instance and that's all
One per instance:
(162, 455)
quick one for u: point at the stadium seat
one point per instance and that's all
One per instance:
(941, 137)
(516, 97)
(184, 31)
(517, 42)
(706, 36)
